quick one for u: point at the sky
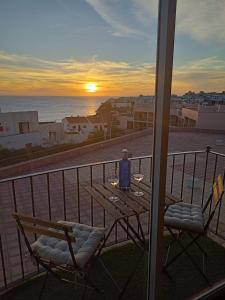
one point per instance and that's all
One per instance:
(57, 47)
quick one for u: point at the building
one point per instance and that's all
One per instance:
(52, 133)
(142, 116)
(211, 98)
(19, 129)
(22, 129)
(204, 117)
(78, 129)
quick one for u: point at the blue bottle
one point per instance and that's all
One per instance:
(124, 172)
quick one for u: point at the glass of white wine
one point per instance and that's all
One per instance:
(138, 177)
(114, 180)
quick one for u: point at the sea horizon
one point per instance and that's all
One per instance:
(52, 108)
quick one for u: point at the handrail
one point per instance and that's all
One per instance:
(217, 153)
(91, 164)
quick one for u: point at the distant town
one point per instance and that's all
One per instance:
(114, 117)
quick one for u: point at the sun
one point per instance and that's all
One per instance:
(91, 87)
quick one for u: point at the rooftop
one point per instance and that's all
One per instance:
(141, 144)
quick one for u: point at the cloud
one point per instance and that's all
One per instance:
(23, 75)
(108, 12)
(201, 20)
(202, 74)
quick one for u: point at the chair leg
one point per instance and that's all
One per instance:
(198, 245)
(184, 250)
(109, 274)
(88, 283)
(43, 285)
(132, 274)
(169, 247)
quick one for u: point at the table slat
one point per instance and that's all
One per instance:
(118, 204)
(115, 213)
(124, 196)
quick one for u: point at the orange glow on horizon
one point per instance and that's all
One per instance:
(99, 78)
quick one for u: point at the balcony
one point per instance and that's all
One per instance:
(60, 195)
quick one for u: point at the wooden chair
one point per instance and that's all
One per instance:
(62, 246)
(194, 221)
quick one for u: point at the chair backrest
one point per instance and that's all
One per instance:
(27, 224)
(214, 199)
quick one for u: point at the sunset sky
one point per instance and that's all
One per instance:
(57, 47)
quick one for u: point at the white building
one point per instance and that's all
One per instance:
(21, 129)
(77, 129)
(52, 133)
(204, 117)
(18, 129)
(211, 98)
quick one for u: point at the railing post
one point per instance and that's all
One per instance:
(208, 148)
(164, 66)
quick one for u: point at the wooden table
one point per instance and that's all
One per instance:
(127, 205)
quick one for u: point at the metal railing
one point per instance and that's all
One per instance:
(60, 194)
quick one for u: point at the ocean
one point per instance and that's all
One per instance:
(52, 108)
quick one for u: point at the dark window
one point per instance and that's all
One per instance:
(24, 127)
(52, 136)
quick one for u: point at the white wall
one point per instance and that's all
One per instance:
(10, 122)
(72, 133)
(190, 113)
(19, 141)
(75, 138)
(46, 128)
(85, 128)
(10, 136)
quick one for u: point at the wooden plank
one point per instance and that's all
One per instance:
(124, 196)
(145, 189)
(43, 223)
(107, 205)
(139, 200)
(47, 232)
(125, 210)
(146, 197)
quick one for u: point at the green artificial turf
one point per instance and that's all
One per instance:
(120, 260)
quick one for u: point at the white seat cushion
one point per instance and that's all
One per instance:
(57, 251)
(184, 216)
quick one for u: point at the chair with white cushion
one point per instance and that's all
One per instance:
(65, 246)
(193, 220)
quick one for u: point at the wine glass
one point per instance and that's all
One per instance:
(138, 177)
(114, 180)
